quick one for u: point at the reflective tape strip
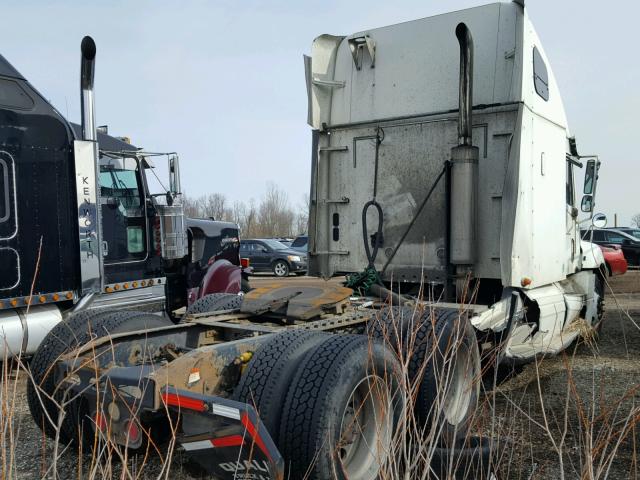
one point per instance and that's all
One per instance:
(201, 445)
(223, 411)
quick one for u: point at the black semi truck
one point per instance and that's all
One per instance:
(79, 227)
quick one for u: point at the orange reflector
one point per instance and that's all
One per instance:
(143, 283)
(69, 295)
(525, 282)
(27, 301)
(116, 287)
(13, 302)
(42, 299)
(125, 286)
(181, 401)
(150, 282)
(135, 284)
(56, 297)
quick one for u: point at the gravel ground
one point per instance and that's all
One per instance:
(592, 386)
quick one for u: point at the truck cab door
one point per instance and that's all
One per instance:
(123, 208)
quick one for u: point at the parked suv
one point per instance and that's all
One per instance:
(301, 243)
(610, 237)
(267, 255)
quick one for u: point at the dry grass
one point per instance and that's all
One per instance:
(559, 418)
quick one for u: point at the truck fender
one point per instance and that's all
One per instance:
(592, 257)
(501, 315)
(225, 437)
(222, 277)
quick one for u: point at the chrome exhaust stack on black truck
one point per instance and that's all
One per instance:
(464, 163)
(87, 103)
(86, 156)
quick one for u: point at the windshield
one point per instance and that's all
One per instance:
(275, 245)
(299, 242)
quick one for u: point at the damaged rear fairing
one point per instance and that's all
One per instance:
(541, 321)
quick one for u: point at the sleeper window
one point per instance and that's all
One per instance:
(540, 76)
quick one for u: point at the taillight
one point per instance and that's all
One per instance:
(100, 422)
(244, 262)
(133, 432)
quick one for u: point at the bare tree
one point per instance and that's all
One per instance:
(190, 206)
(215, 206)
(302, 216)
(251, 226)
(635, 220)
(274, 215)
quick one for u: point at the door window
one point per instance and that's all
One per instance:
(8, 216)
(123, 216)
(122, 186)
(570, 188)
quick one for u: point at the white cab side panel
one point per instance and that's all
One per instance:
(539, 249)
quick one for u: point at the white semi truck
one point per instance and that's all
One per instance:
(450, 131)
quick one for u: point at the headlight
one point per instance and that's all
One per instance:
(293, 258)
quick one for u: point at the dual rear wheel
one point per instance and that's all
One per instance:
(335, 405)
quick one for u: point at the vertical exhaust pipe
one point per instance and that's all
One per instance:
(465, 90)
(86, 158)
(464, 162)
(87, 73)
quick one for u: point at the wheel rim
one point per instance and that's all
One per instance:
(457, 399)
(280, 269)
(365, 429)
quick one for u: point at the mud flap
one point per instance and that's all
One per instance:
(225, 437)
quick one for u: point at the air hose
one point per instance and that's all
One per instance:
(363, 281)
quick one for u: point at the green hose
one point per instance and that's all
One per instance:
(361, 282)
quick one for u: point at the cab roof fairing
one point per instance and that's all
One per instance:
(504, 38)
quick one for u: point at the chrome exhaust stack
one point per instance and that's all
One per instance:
(464, 162)
(86, 157)
(87, 73)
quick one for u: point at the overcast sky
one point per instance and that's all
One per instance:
(222, 82)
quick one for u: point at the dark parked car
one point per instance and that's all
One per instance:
(634, 232)
(610, 237)
(267, 255)
(285, 241)
(301, 243)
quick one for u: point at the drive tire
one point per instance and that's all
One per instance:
(453, 365)
(406, 332)
(423, 337)
(266, 379)
(319, 400)
(280, 268)
(63, 338)
(215, 302)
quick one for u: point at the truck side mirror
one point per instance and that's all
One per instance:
(590, 178)
(587, 203)
(599, 220)
(174, 175)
